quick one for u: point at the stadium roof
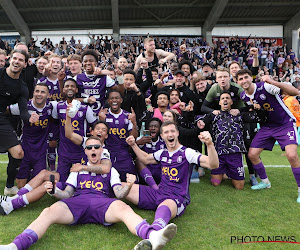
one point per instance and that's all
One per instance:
(99, 14)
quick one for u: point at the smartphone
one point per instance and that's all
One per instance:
(146, 133)
(52, 179)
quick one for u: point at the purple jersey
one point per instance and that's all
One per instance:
(120, 126)
(176, 171)
(150, 148)
(267, 96)
(90, 183)
(54, 89)
(35, 135)
(91, 85)
(67, 148)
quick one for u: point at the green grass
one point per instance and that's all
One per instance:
(214, 215)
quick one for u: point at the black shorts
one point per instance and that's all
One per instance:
(8, 136)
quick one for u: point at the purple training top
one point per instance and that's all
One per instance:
(120, 126)
(90, 183)
(176, 171)
(267, 96)
(150, 148)
(67, 148)
(94, 85)
(54, 90)
(35, 135)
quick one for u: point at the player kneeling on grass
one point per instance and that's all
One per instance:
(172, 196)
(227, 133)
(89, 198)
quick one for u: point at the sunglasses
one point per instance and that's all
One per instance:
(90, 147)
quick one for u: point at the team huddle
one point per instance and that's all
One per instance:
(135, 136)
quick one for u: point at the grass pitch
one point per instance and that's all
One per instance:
(213, 220)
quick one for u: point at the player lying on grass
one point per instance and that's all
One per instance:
(89, 198)
(35, 189)
(172, 196)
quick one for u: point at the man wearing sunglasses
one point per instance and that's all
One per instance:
(35, 189)
(89, 198)
(69, 153)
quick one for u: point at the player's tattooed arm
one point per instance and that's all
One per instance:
(102, 168)
(121, 191)
(64, 194)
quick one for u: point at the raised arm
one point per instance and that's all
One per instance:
(138, 63)
(210, 161)
(288, 89)
(75, 138)
(166, 56)
(142, 155)
(132, 118)
(121, 191)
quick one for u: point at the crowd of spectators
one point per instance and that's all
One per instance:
(136, 86)
(185, 69)
(276, 60)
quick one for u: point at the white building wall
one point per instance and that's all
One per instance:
(259, 31)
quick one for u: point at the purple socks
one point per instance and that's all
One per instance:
(25, 239)
(24, 190)
(260, 170)
(143, 230)
(19, 202)
(162, 217)
(296, 172)
(147, 176)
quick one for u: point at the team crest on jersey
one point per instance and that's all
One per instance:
(231, 93)
(179, 159)
(109, 120)
(260, 88)
(80, 114)
(126, 121)
(49, 111)
(262, 96)
(164, 159)
(116, 121)
(162, 147)
(148, 145)
(55, 88)
(170, 161)
(104, 175)
(291, 135)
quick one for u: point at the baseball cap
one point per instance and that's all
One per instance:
(179, 72)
